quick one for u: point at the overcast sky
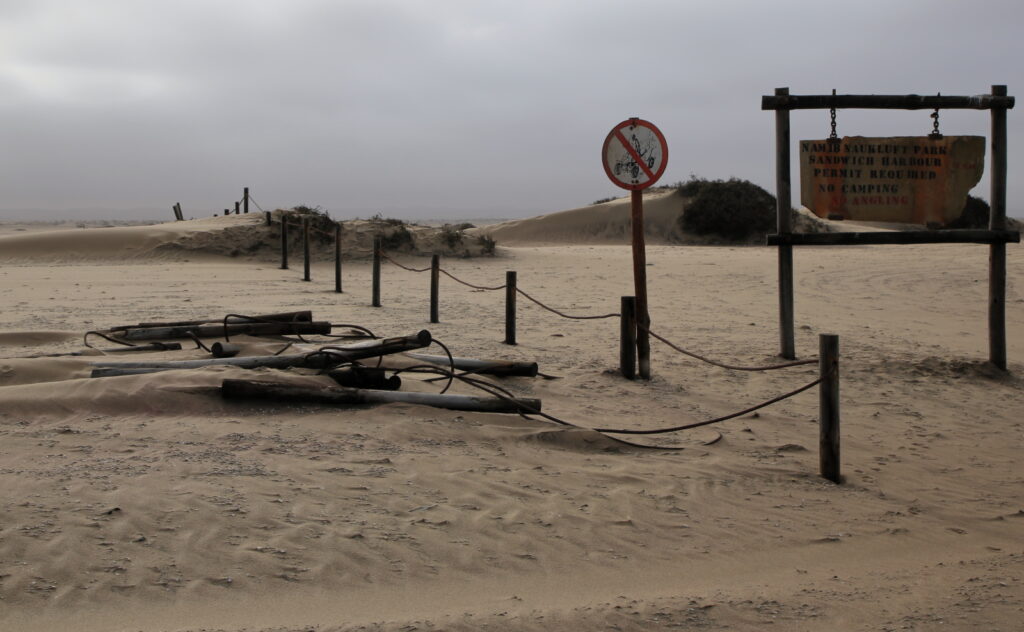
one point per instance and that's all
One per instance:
(451, 108)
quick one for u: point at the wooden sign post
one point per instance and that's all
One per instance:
(635, 155)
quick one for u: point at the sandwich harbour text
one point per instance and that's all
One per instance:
(878, 166)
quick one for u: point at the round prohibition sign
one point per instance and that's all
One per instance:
(635, 154)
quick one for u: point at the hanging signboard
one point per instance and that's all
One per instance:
(907, 179)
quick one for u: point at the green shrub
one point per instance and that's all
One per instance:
(733, 209)
(396, 237)
(975, 214)
(451, 236)
(487, 244)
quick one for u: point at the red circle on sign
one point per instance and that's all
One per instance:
(634, 154)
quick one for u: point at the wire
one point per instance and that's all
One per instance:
(731, 367)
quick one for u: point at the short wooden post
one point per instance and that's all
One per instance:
(227, 212)
(245, 200)
(237, 207)
(337, 257)
(435, 284)
(510, 307)
(284, 242)
(376, 271)
(783, 204)
(627, 338)
(828, 406)
(305, 248)
(997, 252)
(269, 220)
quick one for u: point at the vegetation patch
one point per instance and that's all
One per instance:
(733, 209)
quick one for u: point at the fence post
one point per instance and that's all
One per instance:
(828, 406)
(337, 257)
(435, 279)
(237, 205)
(305, 247)
(284, 242)
(376, 271)
(627, 337)
(510, 307)
(269, 222)
(227, 212)
(245, 200)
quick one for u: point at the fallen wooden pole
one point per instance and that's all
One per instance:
(251, 389)
(285, 317)
(365, 377)
(156, 346)
(320, 359)
(232, 329)
(488, 367)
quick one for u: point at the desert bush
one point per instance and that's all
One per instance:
(975, 214)
(451, 236)
(387, 221)
(305, 209)
(733, 209)
(603, 200)
(396, 237)
(487, 244)
(465, 226)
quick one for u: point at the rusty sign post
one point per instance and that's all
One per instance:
(634, 156)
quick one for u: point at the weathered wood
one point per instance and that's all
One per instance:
(156, 346)
(305, 249)
(788, 101)
(245, 200)
(997, 251)
(365, 377)
(337, 257)
(375, 299)
(435, 286)
(627, 338)
(225, 349)
(510, 307)
(303, 316)
(251, 389)
(643, 315)
(828, 406)
(237, 208)
(232, 329)
(284, 243)
(323, 359)
(484, 367)
(269, 218)
(783, 206)
(883, 238)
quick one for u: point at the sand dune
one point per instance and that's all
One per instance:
(148, 502)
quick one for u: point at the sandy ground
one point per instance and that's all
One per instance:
(149, 503)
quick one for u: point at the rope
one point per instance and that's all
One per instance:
(475, 287)
(731, 367)
(256, 203)
(390, 260)
(85, 339)
(555, 311)
(716, 419)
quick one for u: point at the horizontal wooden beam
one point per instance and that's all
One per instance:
(883, 101)
(883, 238)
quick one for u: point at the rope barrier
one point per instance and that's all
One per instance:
(722, 365)
(555, 311)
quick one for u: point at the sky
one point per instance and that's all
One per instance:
(454, 108)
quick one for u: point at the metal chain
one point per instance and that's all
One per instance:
(936, 134)
(833, 139)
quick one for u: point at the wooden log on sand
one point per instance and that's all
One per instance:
(233, 329)
(251, 389)
(325, 358)
(488, 367)
(304, 316)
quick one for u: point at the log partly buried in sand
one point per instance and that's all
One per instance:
(251, 389)
(487, 367)
(303, 316)
(232, 329)
(322, 359)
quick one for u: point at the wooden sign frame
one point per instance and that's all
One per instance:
(996, 236)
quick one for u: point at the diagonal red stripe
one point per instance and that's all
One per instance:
(632, 152)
